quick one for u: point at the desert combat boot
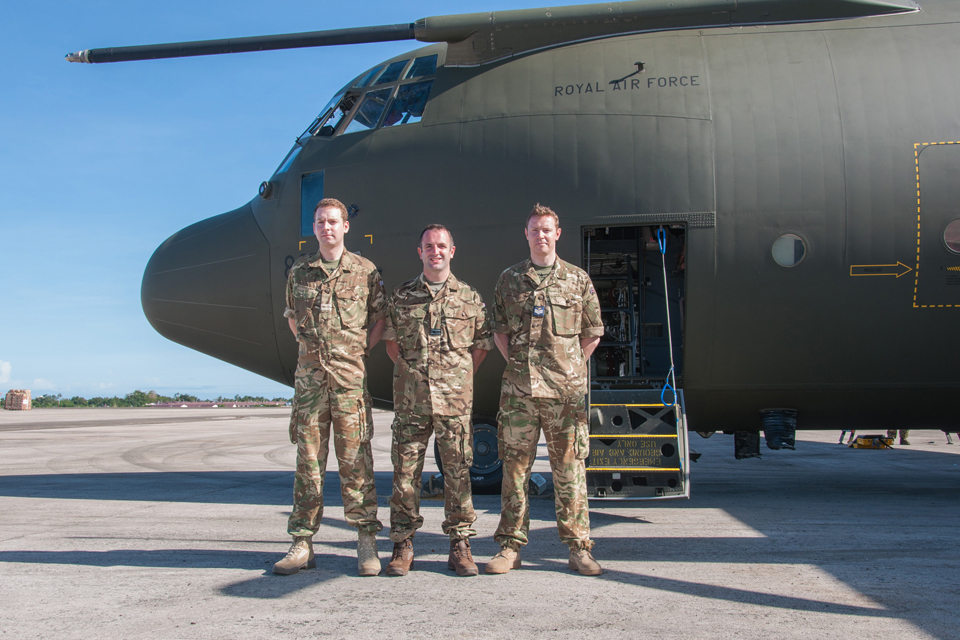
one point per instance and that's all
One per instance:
(461, 560)
(368, 560)
(504, 561)
(402, 560)
(582, 561)
(299, 557)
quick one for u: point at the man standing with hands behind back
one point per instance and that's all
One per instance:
(335, 307)
(437, 334)
(546, 323)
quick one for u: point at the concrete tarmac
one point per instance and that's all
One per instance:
(165, 523)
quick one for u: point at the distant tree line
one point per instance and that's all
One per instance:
(135, 399)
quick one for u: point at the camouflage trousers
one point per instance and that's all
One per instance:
(411, 433)
(564, 426)
(316, 409)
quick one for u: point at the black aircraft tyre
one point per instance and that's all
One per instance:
(486, 473)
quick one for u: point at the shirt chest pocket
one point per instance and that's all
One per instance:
(516, 307)
(351, 305)
(303, 301)
(566, 310)
(411, 324)
(460, 322)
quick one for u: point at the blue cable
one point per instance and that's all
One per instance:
(662, 241)
(663, 392)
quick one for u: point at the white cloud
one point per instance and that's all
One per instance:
(43, 384)
(4, 372)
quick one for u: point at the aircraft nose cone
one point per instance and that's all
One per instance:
(208, 288)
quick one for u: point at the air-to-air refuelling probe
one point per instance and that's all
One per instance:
(764, 192)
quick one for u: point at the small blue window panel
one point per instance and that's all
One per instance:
(423, 67)
(311, 192)
(392, 73)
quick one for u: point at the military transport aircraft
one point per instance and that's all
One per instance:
(779, 178)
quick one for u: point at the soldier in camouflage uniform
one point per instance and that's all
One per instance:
(546, 323)
(904, 434)
(437, 335)
(335, 308)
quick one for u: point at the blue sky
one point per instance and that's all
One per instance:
(102, 163)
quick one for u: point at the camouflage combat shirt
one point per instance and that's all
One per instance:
(436, 333)
(333, 312)
(544, 321)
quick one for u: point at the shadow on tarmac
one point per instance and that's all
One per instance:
(881, 522)
(209, 487)
(154, 558)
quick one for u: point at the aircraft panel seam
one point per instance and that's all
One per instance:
(216, 333)
(721, 32)
(843, 150)
(579, 113)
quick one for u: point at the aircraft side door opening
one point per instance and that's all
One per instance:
(638, 428)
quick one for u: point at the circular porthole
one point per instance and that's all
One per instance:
(951, 236)
(788, 250)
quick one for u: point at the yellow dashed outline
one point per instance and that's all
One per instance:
(916, 278)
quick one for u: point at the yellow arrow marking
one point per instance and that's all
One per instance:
(898, 269)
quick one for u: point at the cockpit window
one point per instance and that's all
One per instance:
(333, 102)
(424, 66)
(392, 73)
(360, 106)
(367, 77)
(368, 115)
(408, 106)
(328, 122)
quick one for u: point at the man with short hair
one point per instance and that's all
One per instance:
(437, 335)
(335, 307)
(546, 323)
